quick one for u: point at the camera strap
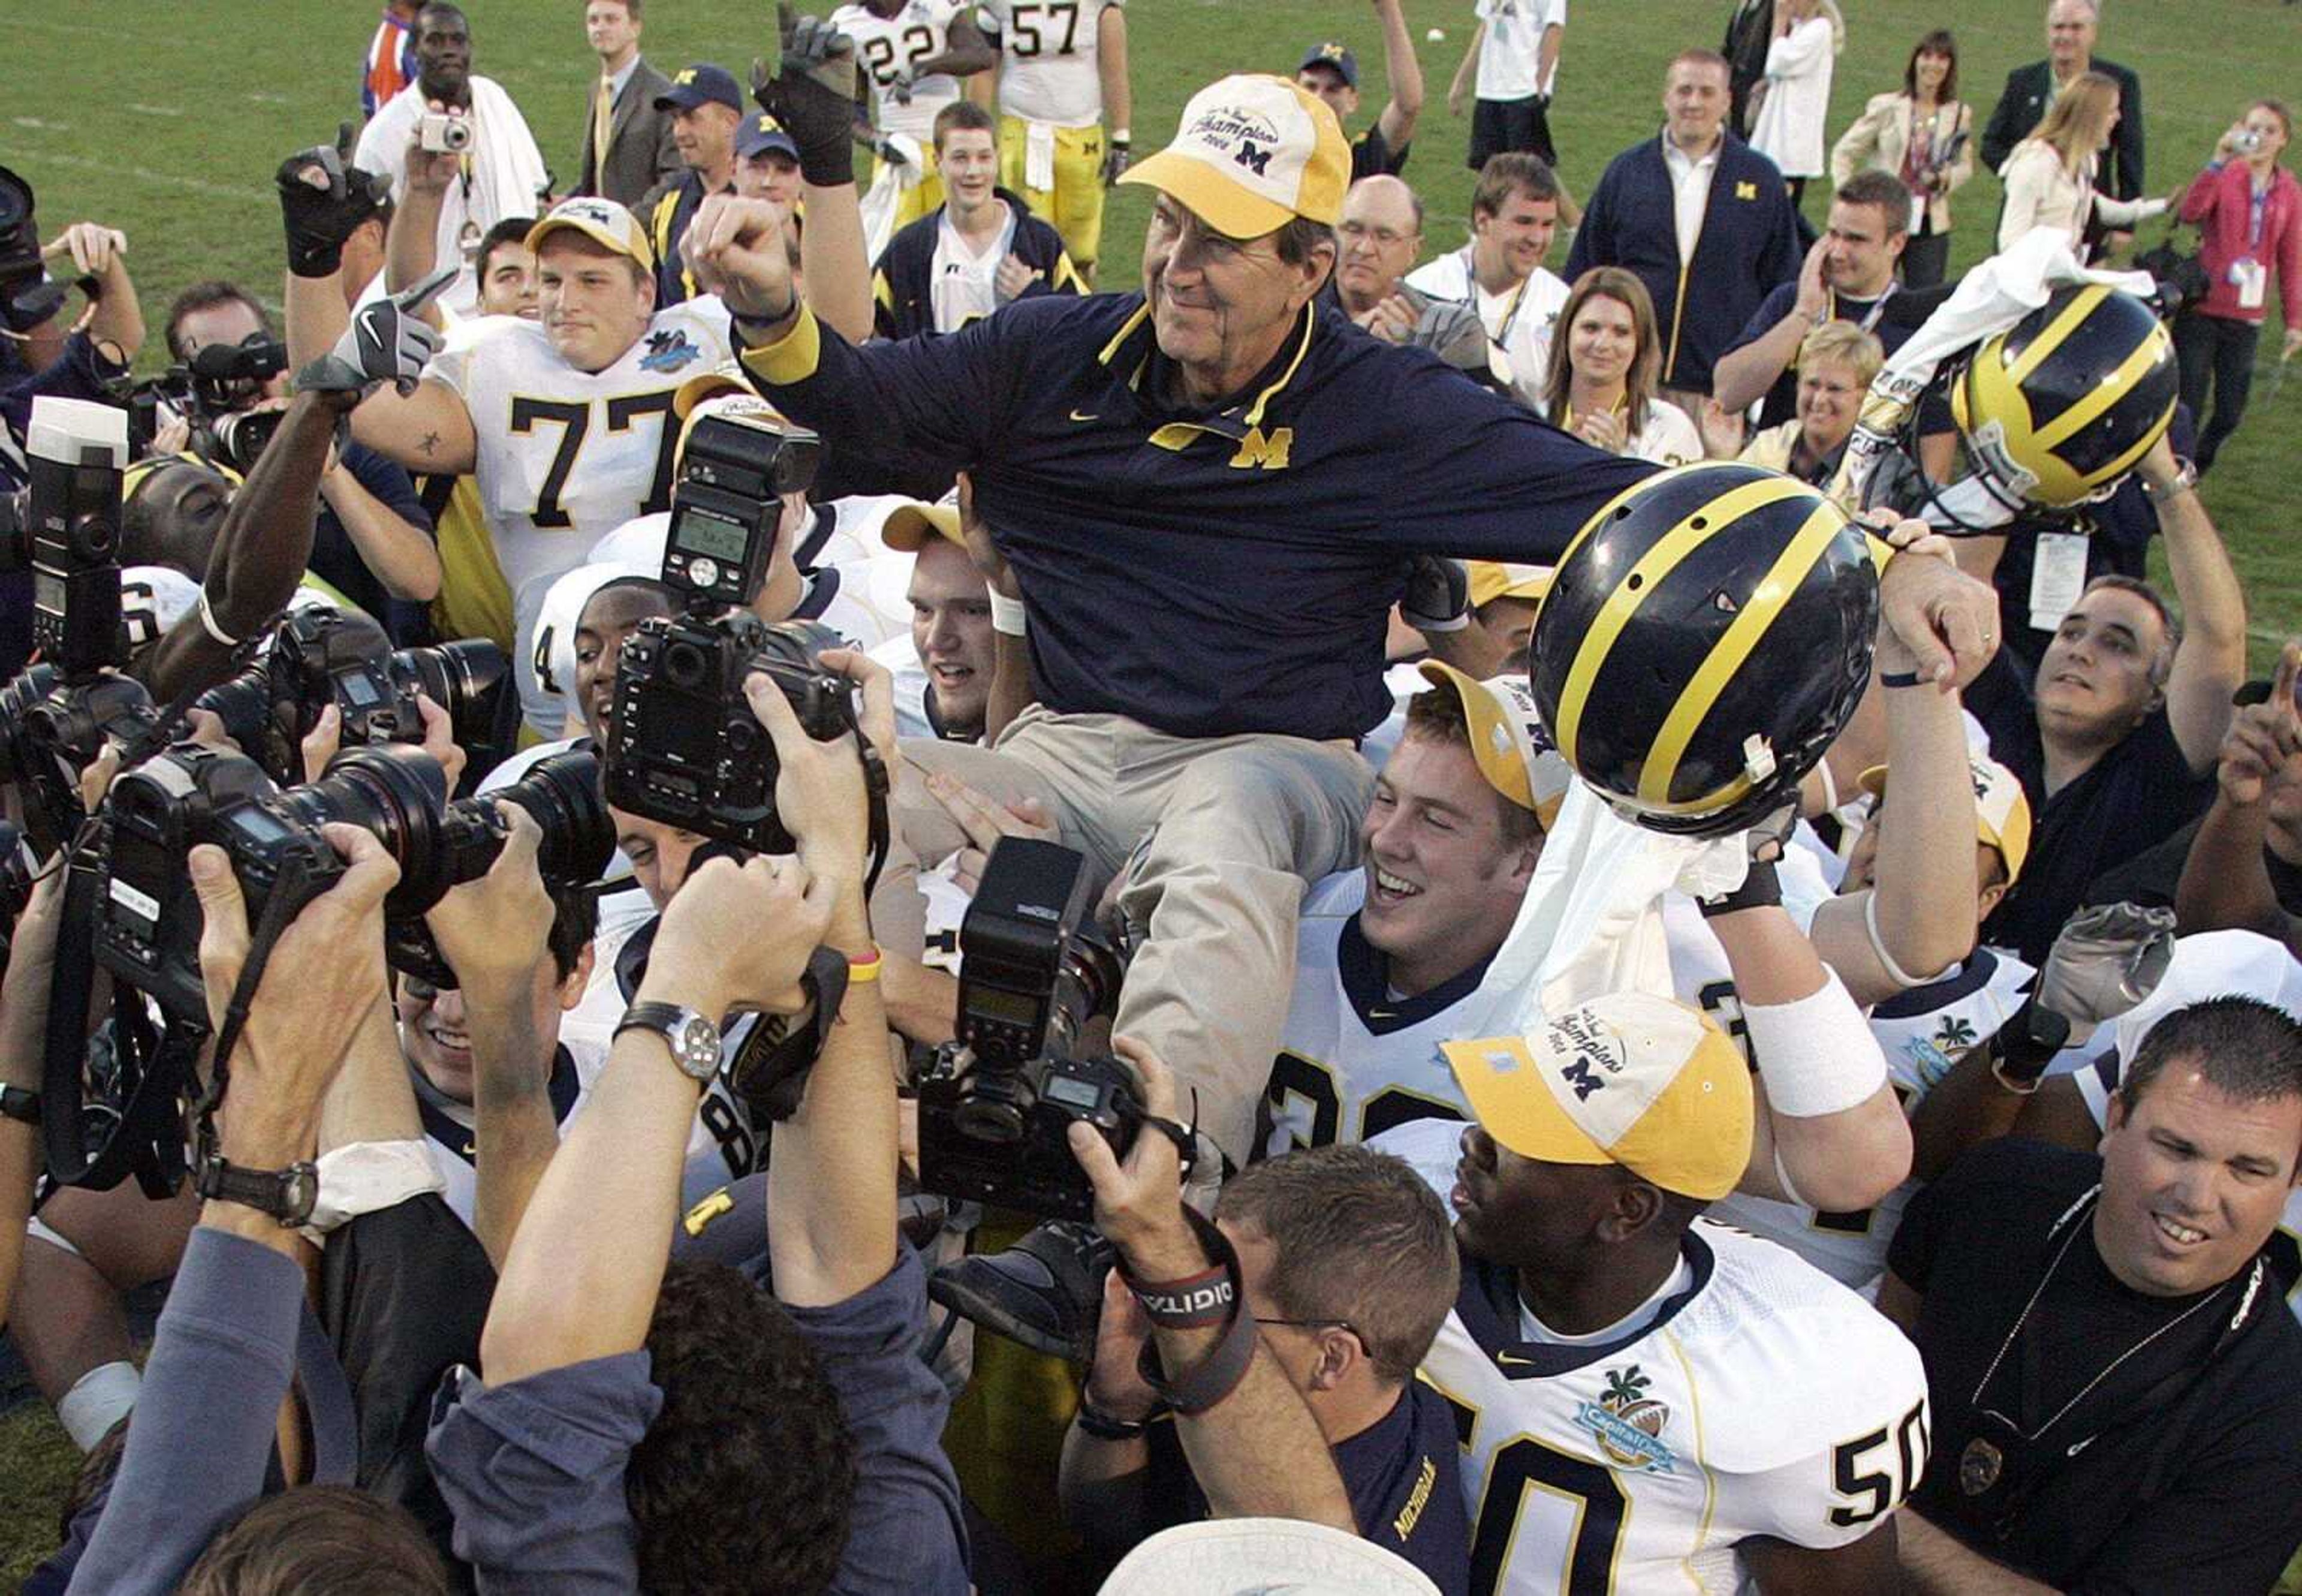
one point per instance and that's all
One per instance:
(770, 1071)
(290, 893)
(1216, 1296)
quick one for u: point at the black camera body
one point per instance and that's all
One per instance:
(214, 389)
(147, 930)
(27, 296)
(148, 918)
(17, 869)
(685, 747)
(996, 1108)
(321, 656)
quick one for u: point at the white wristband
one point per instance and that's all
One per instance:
(208, 619)
(363, 1177)
(1007, 614)
(1817, 1056)
(1894, 972)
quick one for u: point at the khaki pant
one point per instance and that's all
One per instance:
(1229, 830)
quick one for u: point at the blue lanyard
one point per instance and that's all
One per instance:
(2258, 212)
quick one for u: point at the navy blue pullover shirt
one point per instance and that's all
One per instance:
(1206, 573)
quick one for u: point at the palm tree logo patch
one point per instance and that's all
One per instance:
(1628, 1423)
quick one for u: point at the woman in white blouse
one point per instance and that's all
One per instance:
(1605, 356)
(1924, 135)
(2049, 178)
(1788, 127)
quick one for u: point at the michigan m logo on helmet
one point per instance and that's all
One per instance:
(1706, 636)
(2064, 403)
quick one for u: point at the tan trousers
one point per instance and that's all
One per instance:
(1229, 830)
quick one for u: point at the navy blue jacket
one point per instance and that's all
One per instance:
(902, 298)
(2031, 90)
(1749, 245)
(1206, 573)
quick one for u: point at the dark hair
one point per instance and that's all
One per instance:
(963, 114)
(2277, 108)
(1511, 171)
(511, 230)
(1301, 238)
(1356, 1238)
(320, 1541)
(1437, 714)
(2247, 1048)
(744, 1480)
(1882, 190)
(2162, 663)
(1937, 43)
(574, 921)
(1697, 56)
(445, 8)
(632, 8)
(208, 295)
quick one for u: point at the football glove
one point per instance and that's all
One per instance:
(319, 219)
(386, 342)
(812, 93)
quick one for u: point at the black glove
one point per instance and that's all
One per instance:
(386, 342)
(813, 95)
(1438, 597)
(1762, 886)
(1117, 158)
(319, 220)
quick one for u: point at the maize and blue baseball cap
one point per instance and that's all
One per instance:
(702, 84)
(762, 134)
(1335, 56)
(602, 221)
(1252, 152)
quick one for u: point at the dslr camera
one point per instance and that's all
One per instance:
(685, 747)
(28, 298)
(147, 928)
(444, 132)
(214, 389)
(320, 656)
(995, 1105)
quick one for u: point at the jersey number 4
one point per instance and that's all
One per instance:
(573, 417)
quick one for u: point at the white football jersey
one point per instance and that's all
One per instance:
(448, 1124)
(888, 45)
(1048, 51)
(566, 457)
(1520, 323)
(1762, 1399)
(2207, 964)
(1354, 1062)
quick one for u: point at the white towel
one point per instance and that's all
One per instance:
(1591, 920)
(1039, 156)
(1992, 298)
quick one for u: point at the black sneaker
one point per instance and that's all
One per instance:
(1046, 1291)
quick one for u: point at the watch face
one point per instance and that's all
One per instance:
(698, 1046)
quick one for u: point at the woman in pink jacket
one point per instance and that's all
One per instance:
(2249, 212)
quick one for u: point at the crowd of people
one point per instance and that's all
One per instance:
(1628, 1012)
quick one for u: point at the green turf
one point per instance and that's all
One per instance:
(167, 119)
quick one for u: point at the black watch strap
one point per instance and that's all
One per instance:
(1105, 1426)
(288, 1195)
(18, 1104)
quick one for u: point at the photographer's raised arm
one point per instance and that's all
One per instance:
(1253, 1444)
(583, 1274)
(23, 1034)
(260, 553)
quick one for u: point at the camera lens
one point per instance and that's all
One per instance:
(244, 704)
(470, 680)
(562, 793)
(17, 701)
(397, 794)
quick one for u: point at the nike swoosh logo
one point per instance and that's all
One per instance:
(1083, 416)
(1509, 1359)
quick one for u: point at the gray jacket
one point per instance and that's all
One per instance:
(639, 151)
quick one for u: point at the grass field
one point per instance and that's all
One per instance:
(167, 119)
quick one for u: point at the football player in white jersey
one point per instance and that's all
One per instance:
(1063, 76)
(1391, 957)
(915, 54)
(566, 423)
(1648, 1400)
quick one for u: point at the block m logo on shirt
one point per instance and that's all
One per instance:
(1265, 453)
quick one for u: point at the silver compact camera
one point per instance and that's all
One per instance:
(444, 132)
(2249, 142)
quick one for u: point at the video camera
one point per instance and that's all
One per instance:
(212, 392)
(685, 747)
(320, 656)
(148, 928)
(996, 1105)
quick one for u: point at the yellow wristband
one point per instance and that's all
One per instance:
(863, 973)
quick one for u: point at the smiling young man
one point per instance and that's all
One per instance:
(566, 422)
(979, 249)
(2112, 1372)
(707, 111)
(1514, 216)
(2114, 738)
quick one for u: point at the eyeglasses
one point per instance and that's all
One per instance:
(1384, 236)
(1314, 1325)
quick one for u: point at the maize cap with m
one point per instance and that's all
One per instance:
(1253, 152)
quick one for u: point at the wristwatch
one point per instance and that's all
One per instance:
(285, 1194)
(695, 1040)
(17, 1104)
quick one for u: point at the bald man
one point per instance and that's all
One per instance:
(1381, 237)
